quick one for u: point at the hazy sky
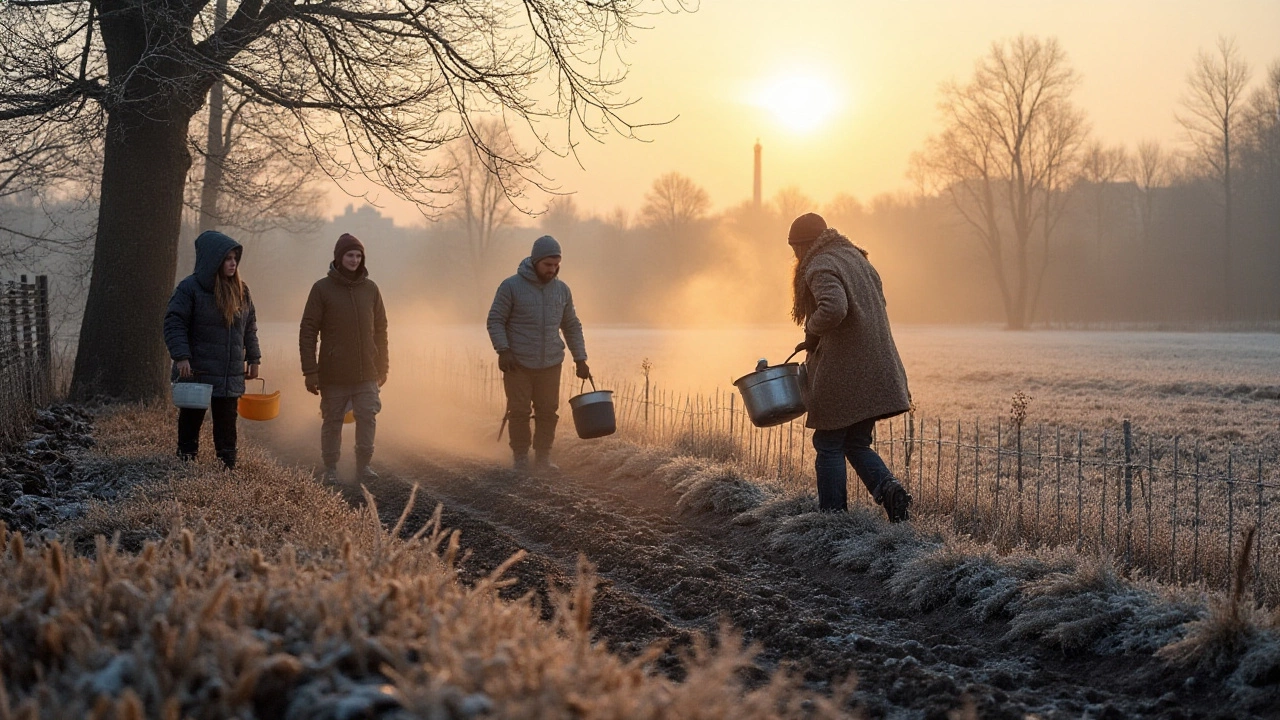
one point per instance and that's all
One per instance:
(841, 93)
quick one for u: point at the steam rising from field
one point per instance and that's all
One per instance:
(444, 392)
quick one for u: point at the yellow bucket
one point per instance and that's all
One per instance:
(259, 406)
(347, 418)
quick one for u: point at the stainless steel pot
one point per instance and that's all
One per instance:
(772, 395)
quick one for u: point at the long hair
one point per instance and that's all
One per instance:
(228, 293)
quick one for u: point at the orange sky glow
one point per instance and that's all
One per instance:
(841, 93)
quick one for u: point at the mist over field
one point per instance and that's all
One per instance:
(1070, 208)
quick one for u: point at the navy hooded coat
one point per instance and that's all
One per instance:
(195, 330)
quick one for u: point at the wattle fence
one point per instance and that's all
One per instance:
(1163, 507)
(26, 353)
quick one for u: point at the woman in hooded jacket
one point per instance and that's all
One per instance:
(211, 330)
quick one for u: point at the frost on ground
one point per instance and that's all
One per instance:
(1071, 603)
(260, 593)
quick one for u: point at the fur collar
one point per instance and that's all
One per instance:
(803, 302)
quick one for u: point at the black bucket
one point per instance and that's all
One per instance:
(593, 413)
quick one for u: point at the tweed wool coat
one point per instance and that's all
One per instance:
(855, 373)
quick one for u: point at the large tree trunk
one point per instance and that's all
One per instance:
(121, 353)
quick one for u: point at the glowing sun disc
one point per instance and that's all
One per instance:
(799, 101)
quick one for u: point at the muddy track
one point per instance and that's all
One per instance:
(665, 575)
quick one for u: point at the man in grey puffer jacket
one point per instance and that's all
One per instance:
(530, 311)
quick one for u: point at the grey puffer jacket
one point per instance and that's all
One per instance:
(194, 329)
(527, 317)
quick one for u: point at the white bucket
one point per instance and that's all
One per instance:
(192, 395)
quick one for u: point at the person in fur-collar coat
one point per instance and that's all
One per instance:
(854, 375)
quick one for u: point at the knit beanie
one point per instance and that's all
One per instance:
(347, 242)
(806, 228)
(544, 247)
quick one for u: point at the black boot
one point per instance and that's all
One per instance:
(896, 501)
(228, 458)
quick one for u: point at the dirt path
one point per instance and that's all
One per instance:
(666, 574)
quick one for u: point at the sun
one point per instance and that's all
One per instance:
(800, 100)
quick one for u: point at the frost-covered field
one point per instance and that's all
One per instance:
(1216, 387)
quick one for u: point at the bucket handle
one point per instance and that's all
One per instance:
(797, 352)
(583, 384)
(264, 384)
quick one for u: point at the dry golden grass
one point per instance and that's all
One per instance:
(263, 593)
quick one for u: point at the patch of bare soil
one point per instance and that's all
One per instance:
(668, 572)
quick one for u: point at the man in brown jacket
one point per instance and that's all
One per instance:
(345, 311)
(854, 374)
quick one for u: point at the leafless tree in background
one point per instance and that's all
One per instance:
(791, 202)
(1101, 166)
(1149, 169)
(485, 185)
(1213, 115)
(1006, 156)
(374, 86)
(674, 202)
(251, 175)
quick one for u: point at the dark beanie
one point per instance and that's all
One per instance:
(544, 247)
(345, 243)
(806, 228)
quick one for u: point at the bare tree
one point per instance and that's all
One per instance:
(1006, 155)
(484, 187)
(674, 202)
(791, 202)
(1100, 167)
(1213, 114)
(249, 173)
(1149, 169)
(374, 85)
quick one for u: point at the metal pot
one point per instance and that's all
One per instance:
(592, 413)
(772, 394)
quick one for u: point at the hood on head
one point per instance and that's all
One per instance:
(211, 249)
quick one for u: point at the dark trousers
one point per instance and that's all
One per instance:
(541, 390)
(365, 400)
(224, 414)
(852, 443)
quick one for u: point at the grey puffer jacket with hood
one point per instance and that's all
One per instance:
(527, 317)
(195, 330)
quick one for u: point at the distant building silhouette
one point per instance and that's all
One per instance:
(755, 185)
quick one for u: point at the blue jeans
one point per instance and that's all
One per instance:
(832, 448)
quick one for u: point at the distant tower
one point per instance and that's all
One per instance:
(755, 184)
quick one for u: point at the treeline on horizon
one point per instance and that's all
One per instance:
(1138, 237)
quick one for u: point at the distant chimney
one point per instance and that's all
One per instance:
(755, 185)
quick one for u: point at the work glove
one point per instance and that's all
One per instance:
(507, 361)
(584, 372)
(313, 384)
(810, 343)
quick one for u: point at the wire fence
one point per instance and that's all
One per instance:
(1163, 507)
(26, 354)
